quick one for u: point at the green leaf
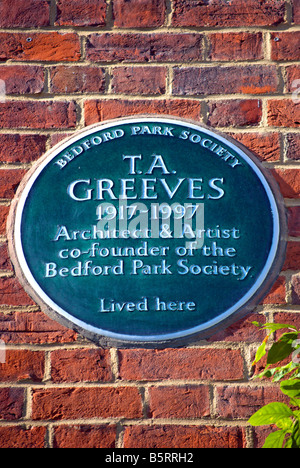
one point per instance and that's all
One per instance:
(282, 348)
(274, 440)
(296, 435)
(260, 353)
(270, 414)
(277, 326)
(291, 388)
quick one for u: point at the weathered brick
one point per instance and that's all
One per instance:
(292, 80)
(184, 437)
(74, 79)
(139, 80)
(241, 331)
(81, 13)
(4, 210)
(237, 112)
(194, 364)
(221, 13)
(12, 293)
(179, 402)
(235, 46)
(22, 79)
(15, 148)
(74, 403)
(84, 436)
(296, 11)
(22, 437)
(139, 13)
(289, 182)
(295, 282)
(294, 221)
(283, 113)
(20, 14)
(97, 110)
(287, 318)
(80, 365)
(5, 263)
(292, 260)
(9, 181)
(33, 328)
(22, 365)
(11, 403)
(46, 47)
(266, 146)
(285, 46)
(257, 79)
(277, 293)
(137, 47)
(37, 114)
(240, 402)
(293, 146)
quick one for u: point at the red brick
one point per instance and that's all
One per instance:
(58, 137)
(22, 79)
(96, 110)
(285, 46)
(12, 293)
(80, 365)
(132, 47)
(288, 318)
(77, 79)
(194, 364)
(257, 79)
(184, 437)
(9, 181)
(289, 182)
(33, 328)
(235, 46)
(283, 113)
(266, 146)
(75, 403)
(11, 403)
(139, 13)
(46, 47)
(15, 148)
(238, 113)
(241, 402)
(292, 260)
(139, 80)
(20, 14)
(221, 13)
(81, 13)
(21, 437)
(293, 146)
(22, 365)
(277, 293)
(295, 282)
(179, 402)
(296, 11)
(292, 80)
(243, 330)
(4, 210)
(5, 263)
(84, 436)
(37, 114)
(294, 221)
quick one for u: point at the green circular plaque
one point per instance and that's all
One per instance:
(147, 230)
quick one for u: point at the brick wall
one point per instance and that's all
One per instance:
(71, 63)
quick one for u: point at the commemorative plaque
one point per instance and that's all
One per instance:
(147, 231)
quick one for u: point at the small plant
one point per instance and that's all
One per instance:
(286, 418)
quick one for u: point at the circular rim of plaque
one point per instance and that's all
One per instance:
(102, 337)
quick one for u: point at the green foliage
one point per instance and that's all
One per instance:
(285, 418)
